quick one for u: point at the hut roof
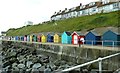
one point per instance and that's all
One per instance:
(68, 33)
(57, 33)
(116, 30)
(78, 33)
(102, 30)
(51, 33)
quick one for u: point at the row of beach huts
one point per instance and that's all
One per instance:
(105, 37)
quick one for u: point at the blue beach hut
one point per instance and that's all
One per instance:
(66, 38)
(111, 38)
(16, 38)
(92, 38)
(50, 37)
(22, 38)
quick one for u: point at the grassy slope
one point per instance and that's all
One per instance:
(71, 24)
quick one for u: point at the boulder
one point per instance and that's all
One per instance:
(36, 65)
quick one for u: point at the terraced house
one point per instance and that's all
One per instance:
(88, 9)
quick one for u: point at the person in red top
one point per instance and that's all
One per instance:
(81, 41)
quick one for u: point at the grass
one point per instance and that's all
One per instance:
(71, 24)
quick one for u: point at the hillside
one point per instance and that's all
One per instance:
(72, 24)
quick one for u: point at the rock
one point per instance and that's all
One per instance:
(35, 71)
(34, 60)
(37, 65)
(64, 66)
(20, 58)
(62, 62)
(29, 63)
(42, 68)
(29, 69)
(15, 68)
(48, 69)
(7, 63)
(34, 52)
(14, 65)
(21, 66)
(52, 66)
(45, 59)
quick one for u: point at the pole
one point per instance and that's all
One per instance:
(102, 45)
(100, 65)
(113, 44)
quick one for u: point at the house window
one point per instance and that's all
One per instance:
(105, 2)
(91, 4)
(94, 9)
(116, 5)
(80, 7)
(83, 6)
(83, 12)
(74, 13)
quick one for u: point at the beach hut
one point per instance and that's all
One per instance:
(111, 38)
(43, 38)
(16, 38)
(57, 38)
(50, 37)
(66, 38)
(25, 38)
(77, 38)
(19, 38)
(39, 38)
(22, 38)
(28, 38)
(34, 38)
(92, 38)
(12, 38)
(31, 38)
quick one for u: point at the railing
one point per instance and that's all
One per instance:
(94, 61)
(110, 43)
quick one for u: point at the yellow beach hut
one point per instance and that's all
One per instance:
(31, 38)
(43, 38)
(57, 38)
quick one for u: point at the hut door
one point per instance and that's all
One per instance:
(75, 39)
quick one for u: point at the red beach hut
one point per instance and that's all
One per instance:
(77, 38)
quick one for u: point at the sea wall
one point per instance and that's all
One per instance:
(76, 55)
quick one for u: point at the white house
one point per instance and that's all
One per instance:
(3, 33)
(83, 10)
(88, 9)
(69, 13)
(56, 16)
(93, 7)
(73, 12)
(109, 6)
(28, 23)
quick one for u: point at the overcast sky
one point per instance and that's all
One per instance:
(13, 13)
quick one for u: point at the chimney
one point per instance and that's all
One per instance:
(80, 4)
(65, 8)
(55, 13)
(59, 10)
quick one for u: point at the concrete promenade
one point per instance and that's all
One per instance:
(99, 47)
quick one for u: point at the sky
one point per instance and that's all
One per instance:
(14, 13)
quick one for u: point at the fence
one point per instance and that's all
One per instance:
(108, 43)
